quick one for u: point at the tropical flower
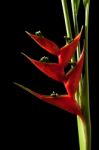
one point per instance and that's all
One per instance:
(56, 71)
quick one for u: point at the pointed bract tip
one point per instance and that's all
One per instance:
(25, 55)
(82, 53)
(15, 83)
(82, 28)
(80, 33)
(27, 33)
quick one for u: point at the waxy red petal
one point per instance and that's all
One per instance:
(46, 44)
(52, 70)
(67, 52)
(73, 77)
(64, 102)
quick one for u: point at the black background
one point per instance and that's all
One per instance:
(31, 123)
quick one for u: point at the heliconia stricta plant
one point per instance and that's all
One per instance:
(76, 101)
(56, 72)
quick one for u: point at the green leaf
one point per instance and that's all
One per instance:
(85, 2)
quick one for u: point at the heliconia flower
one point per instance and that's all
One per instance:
(56, 71)
(64, 54)
(64, 102)
(73, 76)
(52, 70)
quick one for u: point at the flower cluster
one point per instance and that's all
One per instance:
(56, 71)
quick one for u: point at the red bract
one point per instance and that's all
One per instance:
(64, 102)
(52, 70)
(67, 52)
(46, 44)
(73, 77)
(56, 71)
(64, 54)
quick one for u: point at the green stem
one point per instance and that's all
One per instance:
(66, 18)
(80, 124)
(67, 21)
(74, 13)
(84, 128)
(86, 103)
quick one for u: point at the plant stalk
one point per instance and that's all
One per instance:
(86, 103)
(76, 30)
(75, 22)
(84, 128)
(67, 22)
(66, 18)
